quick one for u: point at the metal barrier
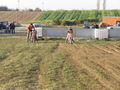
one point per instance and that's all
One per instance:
(114, 33)
(83, 33)
(61, 32)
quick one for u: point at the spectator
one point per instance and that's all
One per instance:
(96, 26)
(12, 28)
(8, 28)
(0, 25)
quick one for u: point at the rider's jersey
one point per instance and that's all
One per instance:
(70, 31)
(30, 27)
(69, 34)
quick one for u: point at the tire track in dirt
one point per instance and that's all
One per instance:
(82, 51)
(95, 66)
(105, 67)
(107, 49)
(107, 64)
(113, 53)
(114, 48)
(80, 62)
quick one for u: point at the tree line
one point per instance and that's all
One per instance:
(5, 8)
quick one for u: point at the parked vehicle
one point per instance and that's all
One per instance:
(114, 27)
(86, 24)
(3, 24)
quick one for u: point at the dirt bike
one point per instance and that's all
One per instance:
(32, 36)
(70, 40)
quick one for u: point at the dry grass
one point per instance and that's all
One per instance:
(54, 65)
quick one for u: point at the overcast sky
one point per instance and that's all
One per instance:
(58, 4)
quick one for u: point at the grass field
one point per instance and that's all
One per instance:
(52, 64)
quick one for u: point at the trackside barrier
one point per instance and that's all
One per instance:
(114, 33)
(61, 32)
(83, 33)
(101, 34)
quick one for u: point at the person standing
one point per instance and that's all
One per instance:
(96, 26)
(12, 28)
(8, 28)
(29, 33)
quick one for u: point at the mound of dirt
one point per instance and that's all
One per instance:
(19, 16)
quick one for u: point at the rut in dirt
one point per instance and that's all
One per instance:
(101, 62)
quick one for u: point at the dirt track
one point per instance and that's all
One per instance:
(100, 62)
(98, 66)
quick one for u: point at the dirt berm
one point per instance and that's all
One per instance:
(19, 16)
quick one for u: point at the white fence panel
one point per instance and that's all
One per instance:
(83, 33)
(101, 33)
(61, 32)
(54, 32)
